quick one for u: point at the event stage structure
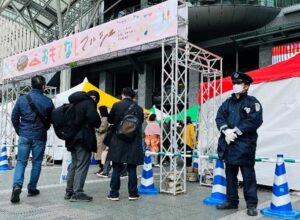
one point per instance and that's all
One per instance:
(164, 26)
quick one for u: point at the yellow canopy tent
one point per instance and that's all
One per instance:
(105, 99)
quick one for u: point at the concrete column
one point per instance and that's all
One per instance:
(265, 55)
(194, 80)
(65, 80)
(105, 82)
(145, 87)
(144, 4)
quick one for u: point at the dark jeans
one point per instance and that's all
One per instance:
(189, 151)
(115, 182)
(106, 167)
(78, 169)
(25, 146)
(250, 187)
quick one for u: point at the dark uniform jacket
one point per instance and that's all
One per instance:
(244, 113)
(26, 122)
(87, 119)
(121, 151)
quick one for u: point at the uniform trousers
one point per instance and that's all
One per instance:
(249, 180)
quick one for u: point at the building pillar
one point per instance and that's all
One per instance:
(265, 55)
(194, 80)
(65, 80)
(145, 87)
(105, 82)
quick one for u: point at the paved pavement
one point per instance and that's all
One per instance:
(51, 205)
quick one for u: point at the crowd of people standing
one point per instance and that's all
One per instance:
(120, 137)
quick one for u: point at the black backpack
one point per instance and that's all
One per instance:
(63, 119)
(128, 127)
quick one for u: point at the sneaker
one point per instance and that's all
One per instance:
(81, 198)
(124, 175)
(109, 197)
(103, 175)
(134, 197)
(227, 205)
(252, 211)
(100, 171)
(15, 196)
(156, 165)
(68, 195)
(33, 192)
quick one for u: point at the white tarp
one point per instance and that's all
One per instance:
(280, 131)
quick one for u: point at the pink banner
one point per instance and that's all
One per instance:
(145, 26)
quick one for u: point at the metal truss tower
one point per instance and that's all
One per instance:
(178, 57)
(210, 99)
(11, 90)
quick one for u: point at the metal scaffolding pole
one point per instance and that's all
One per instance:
(10, 92)
(178, 56)
(92, 17)
(59, 19)
(4, 5)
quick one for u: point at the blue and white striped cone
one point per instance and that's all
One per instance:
(195, 165)
(281, 206)
(147, 186)
(218, 194)
(3, 160)
(93, 161)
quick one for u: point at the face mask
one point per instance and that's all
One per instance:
(238, 88)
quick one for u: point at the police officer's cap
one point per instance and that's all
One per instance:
(240, 77)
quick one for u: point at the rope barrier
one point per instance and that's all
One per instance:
(215, 157)
(8, 145)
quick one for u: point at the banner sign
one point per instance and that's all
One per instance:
(284, 52)
(139, 28)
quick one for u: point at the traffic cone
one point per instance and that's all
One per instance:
(3, 160)
(281, 206)
(195, 165)
(218, 194)
(147, 186)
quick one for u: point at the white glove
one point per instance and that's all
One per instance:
(230, 135)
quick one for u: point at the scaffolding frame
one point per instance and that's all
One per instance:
(211, 100)
(11, 91)
(178, 57)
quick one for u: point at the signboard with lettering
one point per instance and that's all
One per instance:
(142, 27)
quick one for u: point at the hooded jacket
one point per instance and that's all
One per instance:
(87, 119)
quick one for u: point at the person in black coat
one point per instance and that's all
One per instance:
(83, 144)
(121, 151)
(238, 119)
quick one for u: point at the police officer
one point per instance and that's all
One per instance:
(238, 119)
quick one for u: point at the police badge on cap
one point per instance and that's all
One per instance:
(240, 77)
